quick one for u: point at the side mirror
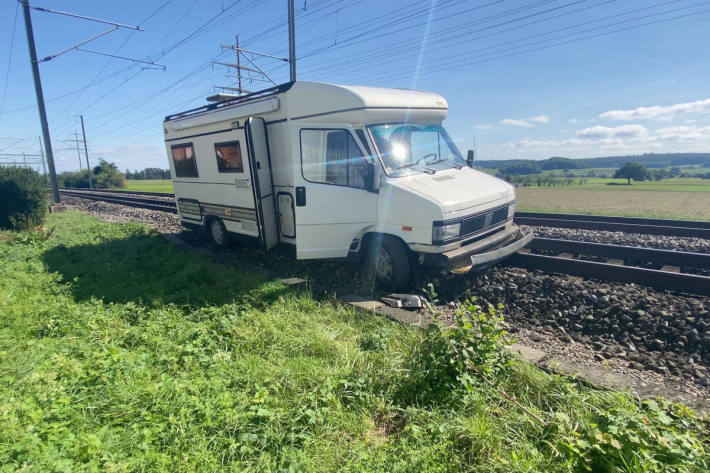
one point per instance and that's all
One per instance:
(369, 176)
(470, 158)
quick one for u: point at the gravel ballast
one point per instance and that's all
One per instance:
(662, 242)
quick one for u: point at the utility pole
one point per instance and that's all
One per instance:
(78, 152)
(40, 100)
(86, 151)
(239, 64)
(291, 41)
(41, 152)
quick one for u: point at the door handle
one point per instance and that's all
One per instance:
(300, 196)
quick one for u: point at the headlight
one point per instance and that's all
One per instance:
(511, 210)
(446, 232)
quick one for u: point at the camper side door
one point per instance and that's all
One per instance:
(333, 206)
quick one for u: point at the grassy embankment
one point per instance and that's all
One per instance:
(119, 353)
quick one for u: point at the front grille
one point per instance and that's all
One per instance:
(476, 223)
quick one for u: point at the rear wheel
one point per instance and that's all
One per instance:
(217, 233)
(389, 262)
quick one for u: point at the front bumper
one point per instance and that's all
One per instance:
(482, 252)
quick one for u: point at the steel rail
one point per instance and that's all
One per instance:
(626, 253)
(132, 197)
(612, 272)
(663, 280)
(150, 204)
(119, 191)
(683, 228)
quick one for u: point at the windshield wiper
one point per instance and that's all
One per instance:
(409, 165)
(441, 160)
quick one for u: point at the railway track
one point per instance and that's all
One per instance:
(649, 226)
(661, 269)
(143, 200)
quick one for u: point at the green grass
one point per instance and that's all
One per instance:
(149, 185)
(678, 184)
(120, 353)
(654, 200)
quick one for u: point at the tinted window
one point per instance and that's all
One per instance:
(184, 160)
(229, 157)
(332, 157)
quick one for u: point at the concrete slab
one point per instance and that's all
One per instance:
(361, 302)
(58, 208)
(403, 316)
(533, 355)
(671, 269)
(294, 282)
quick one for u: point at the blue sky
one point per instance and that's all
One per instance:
(530, 79)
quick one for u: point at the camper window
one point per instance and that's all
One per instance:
(229, 157)
(332, 157)
(184, 160)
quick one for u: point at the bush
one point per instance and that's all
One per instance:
(23, 198)
(104, 176)
(107, 175)
(78, 179)
(455, 359)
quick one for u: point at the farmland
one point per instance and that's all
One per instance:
(682, 198)
(121, 353)
(149, 185)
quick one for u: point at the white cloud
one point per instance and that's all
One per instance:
(572, 120)
(485, 126)
(683, 133)
(659, 112)
(625, 139)
(515, 122)
(602, 132)
(540, 119)
(525, 122)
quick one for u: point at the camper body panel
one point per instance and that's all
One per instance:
(329, 211)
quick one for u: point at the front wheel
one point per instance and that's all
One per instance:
(389, 261)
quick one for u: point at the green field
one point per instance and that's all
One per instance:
(670, 198)
(149, 185)
(677, 184)
(120, 353)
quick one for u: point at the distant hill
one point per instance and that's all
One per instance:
(650, 160)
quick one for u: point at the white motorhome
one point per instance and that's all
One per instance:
(340, 171)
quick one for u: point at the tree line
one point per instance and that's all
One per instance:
(649, 160)
(147, 173)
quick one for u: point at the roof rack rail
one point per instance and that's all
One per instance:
(279, 89)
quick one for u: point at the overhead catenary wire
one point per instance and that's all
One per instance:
(447, 41)
(9, 59)
(475, 60)
(390, 58)
(94, 81)
(445, 45)
(201, 29)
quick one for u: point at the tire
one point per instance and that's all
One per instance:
(217, 233)
(388, 261)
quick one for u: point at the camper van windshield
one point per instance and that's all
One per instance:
(407, 148)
